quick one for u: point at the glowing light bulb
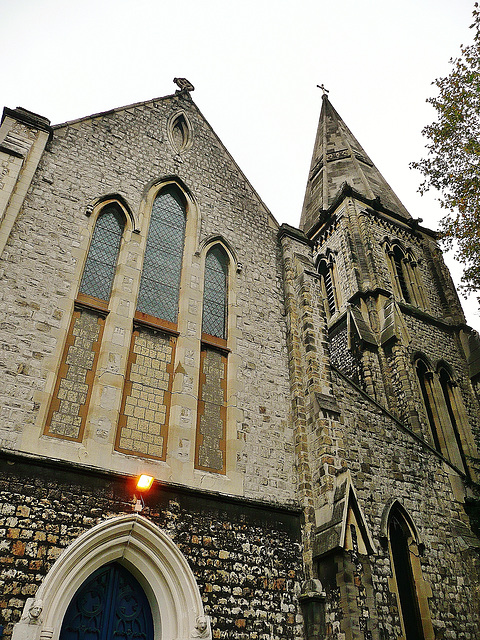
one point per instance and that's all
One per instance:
(144, 482)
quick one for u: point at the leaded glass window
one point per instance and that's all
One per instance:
(160, 283)
(102, 257)
(215, 293)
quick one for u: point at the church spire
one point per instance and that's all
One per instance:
(338, 158)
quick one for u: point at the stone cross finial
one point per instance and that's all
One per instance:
(322, 87)
(184, 84)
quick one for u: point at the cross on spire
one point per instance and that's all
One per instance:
(322, 87)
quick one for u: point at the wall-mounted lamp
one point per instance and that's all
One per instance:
(144, 483)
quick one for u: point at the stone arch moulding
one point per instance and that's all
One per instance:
(113, 198)
(207, 243)
(142, 548)
(394, 502)
(153, 187)
(417, 356)
(443, 364)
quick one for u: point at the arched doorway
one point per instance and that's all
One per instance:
(146, 553)
(110, 605)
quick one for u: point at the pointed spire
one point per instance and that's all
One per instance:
(339, 159)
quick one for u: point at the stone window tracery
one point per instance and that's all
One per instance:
(441, 406)
(180, 133)
(404, 273)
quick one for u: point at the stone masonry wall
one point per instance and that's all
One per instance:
(125, 152)
(246, 559)
(388, 463)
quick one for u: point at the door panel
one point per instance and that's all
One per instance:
(110, 605)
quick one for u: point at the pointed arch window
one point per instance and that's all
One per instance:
(398, 258)
(425, 378)
(405, 276)
(143, 425)
(442, 408)
(452, 435)
(413, 610)
(99, 270)
(160, 282)
(210, 441)
(67, 414)
(327, 270)
(215, 293)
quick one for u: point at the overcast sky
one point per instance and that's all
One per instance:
(255, 66)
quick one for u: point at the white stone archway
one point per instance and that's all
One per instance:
(147, 552)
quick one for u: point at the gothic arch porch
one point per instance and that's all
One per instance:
(148, 554)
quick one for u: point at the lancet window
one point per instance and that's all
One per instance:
(453, 440)
(407, 574)
(327, 269)
(99, 271)
(68, 409)
(426, 381)
(160, 283)
(405, 276)
(215, 292)
(211, 416)
(143, 424)
(441, 406)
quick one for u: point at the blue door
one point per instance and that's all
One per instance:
(110, 605)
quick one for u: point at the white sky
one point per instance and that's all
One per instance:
(255, 66)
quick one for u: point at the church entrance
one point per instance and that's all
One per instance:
(110, 605)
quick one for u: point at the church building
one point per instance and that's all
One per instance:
(302, 403)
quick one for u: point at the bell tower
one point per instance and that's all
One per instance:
(395, 326)
(383, 370)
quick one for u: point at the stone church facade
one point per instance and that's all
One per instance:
(306, 400)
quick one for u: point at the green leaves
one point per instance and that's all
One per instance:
(452, 165)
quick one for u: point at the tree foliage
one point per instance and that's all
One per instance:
(452, 165)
